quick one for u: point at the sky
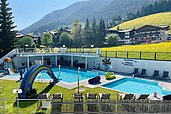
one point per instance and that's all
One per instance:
(26, 12)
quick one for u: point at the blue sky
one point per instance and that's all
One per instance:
(26, 12)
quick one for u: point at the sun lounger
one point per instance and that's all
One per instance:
(142, 97)
(135, 73)
(91, 102)
(143, 73)
(155, 75)
(165, 75)
(126, 96)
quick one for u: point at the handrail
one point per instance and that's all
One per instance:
(10, 54)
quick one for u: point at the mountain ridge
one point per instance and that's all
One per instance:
(105, 9)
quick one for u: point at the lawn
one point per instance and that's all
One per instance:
(163, 51)
(30, 107)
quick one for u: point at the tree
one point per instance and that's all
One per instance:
(112, 39)
(47, 39)
(38, 41)
(65, 39)
(76, 33)
(101, 33)
(26, 40)
(87, 34)
(94, 33)
(7, 32)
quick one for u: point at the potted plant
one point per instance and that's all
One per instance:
(106, 61)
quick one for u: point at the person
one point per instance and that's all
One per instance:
(21, 74)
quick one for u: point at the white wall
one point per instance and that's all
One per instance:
(118, 66)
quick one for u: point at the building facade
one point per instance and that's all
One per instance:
(150, 33)
(126, 36)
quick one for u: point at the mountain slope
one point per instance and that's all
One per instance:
(155, 19)
(87, 9)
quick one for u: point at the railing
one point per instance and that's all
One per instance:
(138, 55)
(82, 50)
(10, 54)
(48, 106)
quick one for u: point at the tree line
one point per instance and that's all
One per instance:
(156, 7)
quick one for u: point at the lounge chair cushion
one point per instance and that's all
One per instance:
(57, 96)
(143, 96)
(105, 96)
(94, 80)
(78, 96)
(91, 96)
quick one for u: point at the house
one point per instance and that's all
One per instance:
(127, 36)
(169, 37)
(34, 37)
(151, 33)
(56, 35)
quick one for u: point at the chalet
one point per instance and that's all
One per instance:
(56, 35)
(169, 37)
(150, 33)
(34, 37)
(127, 36)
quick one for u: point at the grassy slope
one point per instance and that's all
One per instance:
(135, 49)
(161, 47)
(155, 19)
(29, 107)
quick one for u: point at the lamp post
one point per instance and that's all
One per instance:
(92, 46)
(78, 78)
(59, 68)
(26, 45)
(17, 91)
(63, 46)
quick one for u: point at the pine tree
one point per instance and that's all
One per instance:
(7, 32)
(94, 33)
(87, 33)
(101, 33)
(76, 33)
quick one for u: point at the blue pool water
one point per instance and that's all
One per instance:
(137, 86)
(68, 75)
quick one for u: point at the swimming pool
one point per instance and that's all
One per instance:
(137, 86)
(68, 75)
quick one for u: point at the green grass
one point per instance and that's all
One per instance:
(30, 107)
(147, 51)
(155, 19)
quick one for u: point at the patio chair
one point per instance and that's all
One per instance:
(126, 96)
(155, 75)
(135, 73)
(165, 75)
(143, 73)
(142, 97)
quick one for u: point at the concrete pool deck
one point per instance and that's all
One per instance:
(66, 85)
